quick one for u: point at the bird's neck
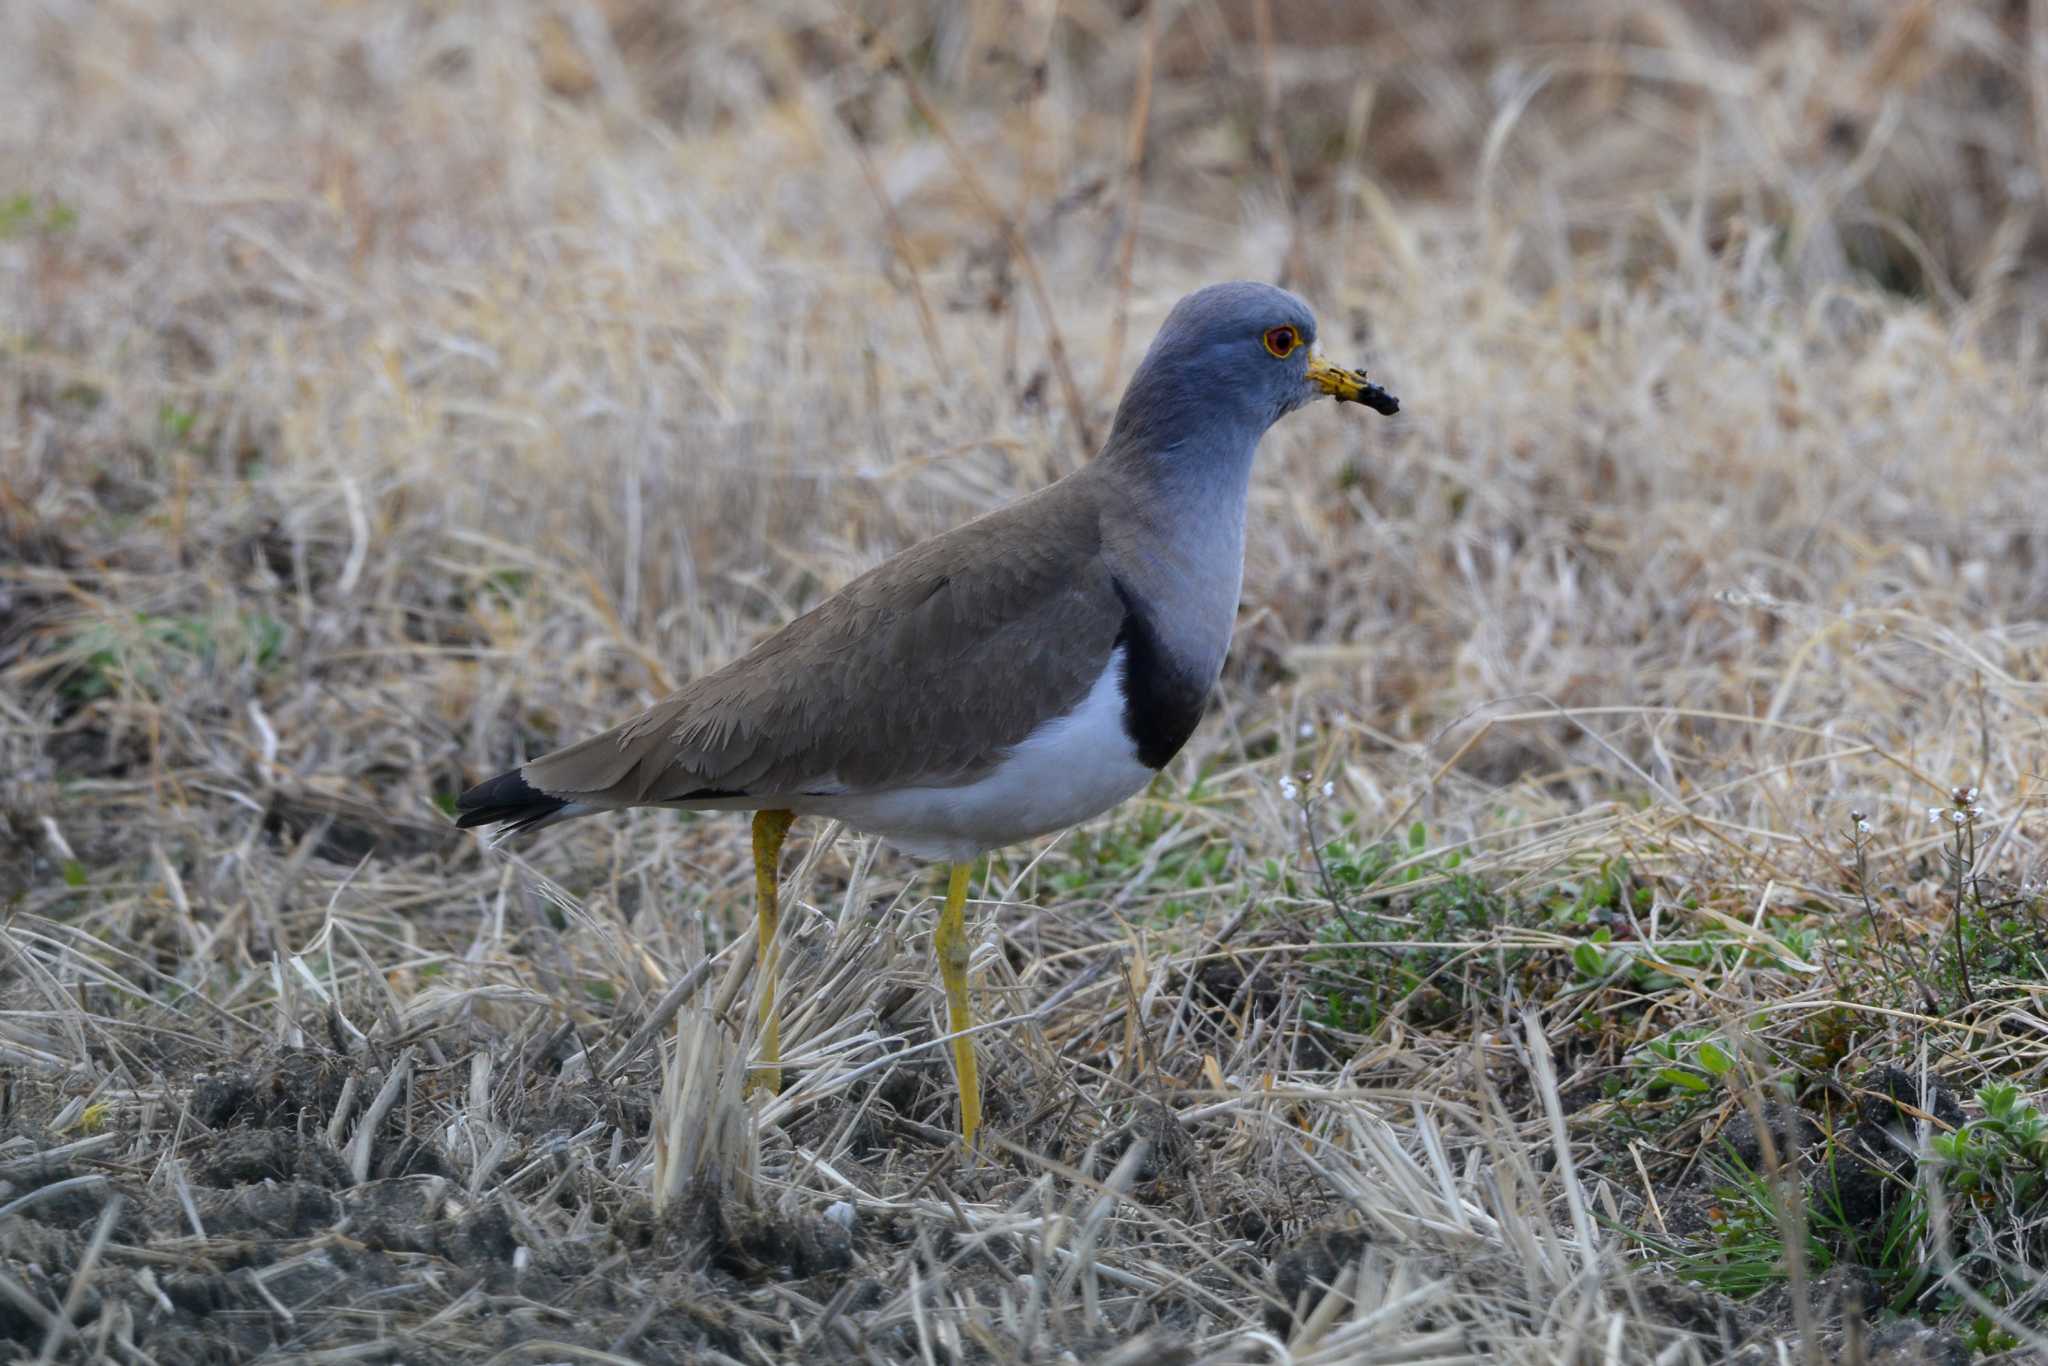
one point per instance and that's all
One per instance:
(1168, 419)
(1173, 531)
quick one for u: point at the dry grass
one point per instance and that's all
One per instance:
(394, 390)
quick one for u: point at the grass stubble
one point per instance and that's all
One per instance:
(392, 391)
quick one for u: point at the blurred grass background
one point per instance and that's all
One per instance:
(392, 391)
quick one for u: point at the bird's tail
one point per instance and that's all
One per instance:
(512, 804)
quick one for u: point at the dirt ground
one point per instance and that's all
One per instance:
(257, 1239)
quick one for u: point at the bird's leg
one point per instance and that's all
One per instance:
(769, 829)
(950, 943)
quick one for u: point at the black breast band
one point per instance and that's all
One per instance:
(1162, 703)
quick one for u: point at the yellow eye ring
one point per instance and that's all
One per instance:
(1281, 341)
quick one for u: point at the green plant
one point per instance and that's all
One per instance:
(20, 215)
(149, 652)
(174, 422)
(1992, 1173)
(1899, 969)
(1986, 1338)
(1101, 860)
(1744, 1250)
(1965, 896)
(1689, 1059)
(1383, 896)
(2002, 1157)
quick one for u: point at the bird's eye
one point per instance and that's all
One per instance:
(1281, 341)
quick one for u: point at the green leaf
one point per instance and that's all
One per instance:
(176, 422)
(1418, 837)
(1715, 1061)
(17, 213)
(74, 873)
(1684, 1080)
(1588, 959)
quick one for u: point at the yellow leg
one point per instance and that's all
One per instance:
(769, 829)
(950, 943)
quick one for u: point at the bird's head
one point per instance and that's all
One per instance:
(1229, 361)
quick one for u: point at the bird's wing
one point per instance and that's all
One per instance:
(925, 670)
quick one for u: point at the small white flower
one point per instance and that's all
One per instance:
(1863, 827)
(1308, 732)
(1957, 816)
(1329, 789)
(1288, 790)
(1934, 813)
(1970, 795)
(1976, 813)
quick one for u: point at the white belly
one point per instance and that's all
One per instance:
(1069, 769)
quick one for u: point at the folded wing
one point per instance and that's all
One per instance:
(924, 671)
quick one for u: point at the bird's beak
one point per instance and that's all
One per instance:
(1350, 386)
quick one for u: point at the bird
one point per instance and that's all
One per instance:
(1015, 676)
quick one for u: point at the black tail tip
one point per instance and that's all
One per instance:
(507, 800)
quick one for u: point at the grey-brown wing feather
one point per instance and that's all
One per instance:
(924, 670)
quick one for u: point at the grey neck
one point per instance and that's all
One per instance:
(1173, 533)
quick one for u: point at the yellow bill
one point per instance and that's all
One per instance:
(1350, 386)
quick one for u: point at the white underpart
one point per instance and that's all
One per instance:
(1071, 768)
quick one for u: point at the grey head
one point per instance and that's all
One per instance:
(1229, 361)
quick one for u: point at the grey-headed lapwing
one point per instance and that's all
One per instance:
(1012, 677)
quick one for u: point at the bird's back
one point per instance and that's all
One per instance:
(926, 670)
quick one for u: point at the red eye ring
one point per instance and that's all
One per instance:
(1281, 341)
